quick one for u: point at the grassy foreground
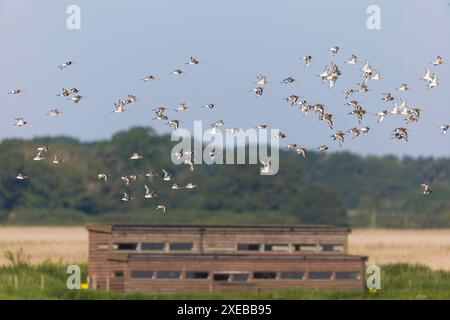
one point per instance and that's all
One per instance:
(20, 280)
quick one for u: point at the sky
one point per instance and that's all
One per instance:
(119, 43)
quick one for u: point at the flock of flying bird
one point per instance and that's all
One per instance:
(120, 107)
(329, 76)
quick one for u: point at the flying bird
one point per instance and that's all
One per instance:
(444, 128)
(162, 207)
(136, 156)
(400, 134)
(377, 76)
(334, 50)
(281, 135)
(21, 176)
(167, 175)
(381, 115)
(434, 82)
(258, 91)
(266, 167)
(355, 132)
(149, 78)
(190, 185)
(175, 124)
(352, 60)
(39, 156)
(15, 91)
(293, 99)
(193, 61)
(103, 177)
(176, 186)
(20, 122)
(126, 180)
(340, 136)
(426, 189)
(126, 197)
(262, 80)
(363, 88)
(288, 80)
(213, 153)
(64, 93)
(152, 174)
(57, 160)
(427, 76)
(403, 87)
(387, 96)
(181, 107)
(307, 59)
(76, 98)
(365, 130)
(54, 113)
(177, 72)
(65, 65)
(328, 118)
(301, 152)
(209, 106)
(159, 109)
(119, 108)
(348, 93)
(160, 116)
(149, 194)
(438, 61)
(218, 124)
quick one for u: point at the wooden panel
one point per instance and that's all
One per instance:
(244, 266)
(219, 242)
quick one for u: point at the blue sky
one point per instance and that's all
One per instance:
(121, 42)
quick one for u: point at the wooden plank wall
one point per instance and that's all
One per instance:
(222, 242)
(242, 266)
(214, 241)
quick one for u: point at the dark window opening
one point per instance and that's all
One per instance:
(118, 274)
(141, 274)
(152, 246)
(320, 275)
(196, 275)
(240, 277)
(126, 246)
(347, 275)
(264, 275)
(168, 275)
(181, 246)
(332, 248)
(293, 275)
(221, 277)
(327, 247)
(248, 247)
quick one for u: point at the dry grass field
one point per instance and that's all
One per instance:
(41, 243)
(428, 247)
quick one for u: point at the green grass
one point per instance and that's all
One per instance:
(399, 281)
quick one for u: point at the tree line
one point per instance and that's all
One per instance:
(337, 188)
